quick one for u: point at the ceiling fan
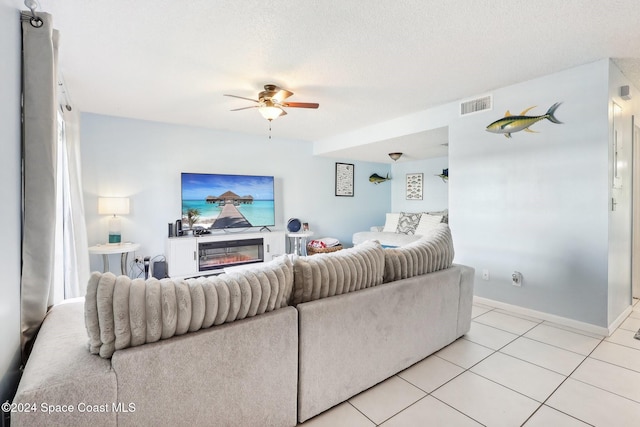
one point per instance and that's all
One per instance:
(271, 101)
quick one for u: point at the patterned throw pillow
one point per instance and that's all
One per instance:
(408, 222)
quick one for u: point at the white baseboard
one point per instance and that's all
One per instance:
(613, 326)
(564, 321)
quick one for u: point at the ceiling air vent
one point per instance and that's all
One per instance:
(476, 105)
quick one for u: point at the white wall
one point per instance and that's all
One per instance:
(143, 160)
(538, 203)
(435, 194)
(10, 46)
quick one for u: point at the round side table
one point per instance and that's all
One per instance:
(121, 248)
(299, 242)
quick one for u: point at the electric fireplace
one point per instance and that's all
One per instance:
(218, 255)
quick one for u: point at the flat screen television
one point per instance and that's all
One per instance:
(218, 202)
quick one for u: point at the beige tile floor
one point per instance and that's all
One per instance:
(509, 370)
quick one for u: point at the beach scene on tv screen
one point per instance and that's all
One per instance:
(215, 201)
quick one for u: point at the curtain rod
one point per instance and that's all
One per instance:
(35, 20)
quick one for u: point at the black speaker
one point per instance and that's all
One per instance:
(146, 267)
(160, 270)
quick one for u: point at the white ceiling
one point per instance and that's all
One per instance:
(364, 62)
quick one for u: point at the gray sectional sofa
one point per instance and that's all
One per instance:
(266, 346)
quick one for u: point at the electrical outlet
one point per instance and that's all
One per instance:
(516, 279)
(139, 259)
(485, 274)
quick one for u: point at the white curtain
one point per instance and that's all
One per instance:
(55, 259)
(75, 258)
(39, 44)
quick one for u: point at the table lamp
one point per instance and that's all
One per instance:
(114, 206)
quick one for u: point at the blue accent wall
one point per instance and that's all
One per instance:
(144, 160)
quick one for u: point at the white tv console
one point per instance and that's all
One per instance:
(187, 255)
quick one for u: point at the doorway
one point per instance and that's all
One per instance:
(635, 252)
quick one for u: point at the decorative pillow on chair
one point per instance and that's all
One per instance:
(408, 222)
(391, 222)
(427, 223)
(444, 213)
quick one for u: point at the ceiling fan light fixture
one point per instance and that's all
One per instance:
(270, 112)
(395, 156)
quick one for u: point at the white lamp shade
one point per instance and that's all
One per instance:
(113, 205)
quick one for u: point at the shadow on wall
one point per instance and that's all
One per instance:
(9, 385)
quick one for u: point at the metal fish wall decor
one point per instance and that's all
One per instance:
(510, 124)
(377, 179)
(444, 176)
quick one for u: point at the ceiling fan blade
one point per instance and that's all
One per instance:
(241, 97)
(301, 104)
(281, 95)
(245, 108)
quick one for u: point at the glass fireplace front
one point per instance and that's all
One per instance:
(218, 255)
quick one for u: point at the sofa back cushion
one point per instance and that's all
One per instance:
(432, 252)
(121, 313)
(324, 275)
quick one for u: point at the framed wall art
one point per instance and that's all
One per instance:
(414, 186)
(344, 179)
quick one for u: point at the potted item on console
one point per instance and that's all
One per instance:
(193, 215)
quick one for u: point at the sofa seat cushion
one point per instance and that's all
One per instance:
(432, 252)
(121, 313)
(335, 273)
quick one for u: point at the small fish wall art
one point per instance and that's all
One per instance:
(377, 179)
(414, 186)
(510, 124)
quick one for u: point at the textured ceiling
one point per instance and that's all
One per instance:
(364, 62)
